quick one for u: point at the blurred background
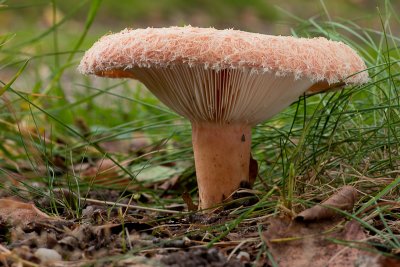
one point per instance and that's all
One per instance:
(266, 16)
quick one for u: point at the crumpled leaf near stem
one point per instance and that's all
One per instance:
(344, 200)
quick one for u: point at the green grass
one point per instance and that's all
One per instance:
(52, 119)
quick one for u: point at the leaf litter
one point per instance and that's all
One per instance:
(19, 213)
(321, 236)
(116, 230)
(33, 238)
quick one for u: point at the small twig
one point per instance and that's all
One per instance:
(109, 203)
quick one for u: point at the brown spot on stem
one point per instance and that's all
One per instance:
(243, 138)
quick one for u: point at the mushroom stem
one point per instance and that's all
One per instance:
(222, 156)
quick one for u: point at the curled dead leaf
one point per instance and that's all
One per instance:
(344, 200)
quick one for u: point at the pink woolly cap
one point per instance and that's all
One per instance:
(322, 61)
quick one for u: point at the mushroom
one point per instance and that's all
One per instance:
(224, 82)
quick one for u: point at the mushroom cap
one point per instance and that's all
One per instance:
(208, 74)
(318, 59)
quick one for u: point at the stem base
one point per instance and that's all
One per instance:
(222, 158)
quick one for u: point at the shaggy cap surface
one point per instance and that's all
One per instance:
(317, 59)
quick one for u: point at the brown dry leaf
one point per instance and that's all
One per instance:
(138, 143)
(386, 261)
(377, 261)
(189, 202)
(297, 244)
(106, 173)
(18, 213)
(344, 200)
(169, 183)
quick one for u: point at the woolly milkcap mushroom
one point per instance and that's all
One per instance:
(224, 82)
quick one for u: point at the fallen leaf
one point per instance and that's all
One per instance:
(18, 213)
(182, 180)
(169, 184)
(105, 173)
(344, 200)
(386, 261)
(189, 202)
(377, 261)
(136, 143)
(155, 174)
(298, 244)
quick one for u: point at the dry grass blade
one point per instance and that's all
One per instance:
(344, 199)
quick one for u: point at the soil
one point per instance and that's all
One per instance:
(199, 257)
(101, 238)
(101, 235)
